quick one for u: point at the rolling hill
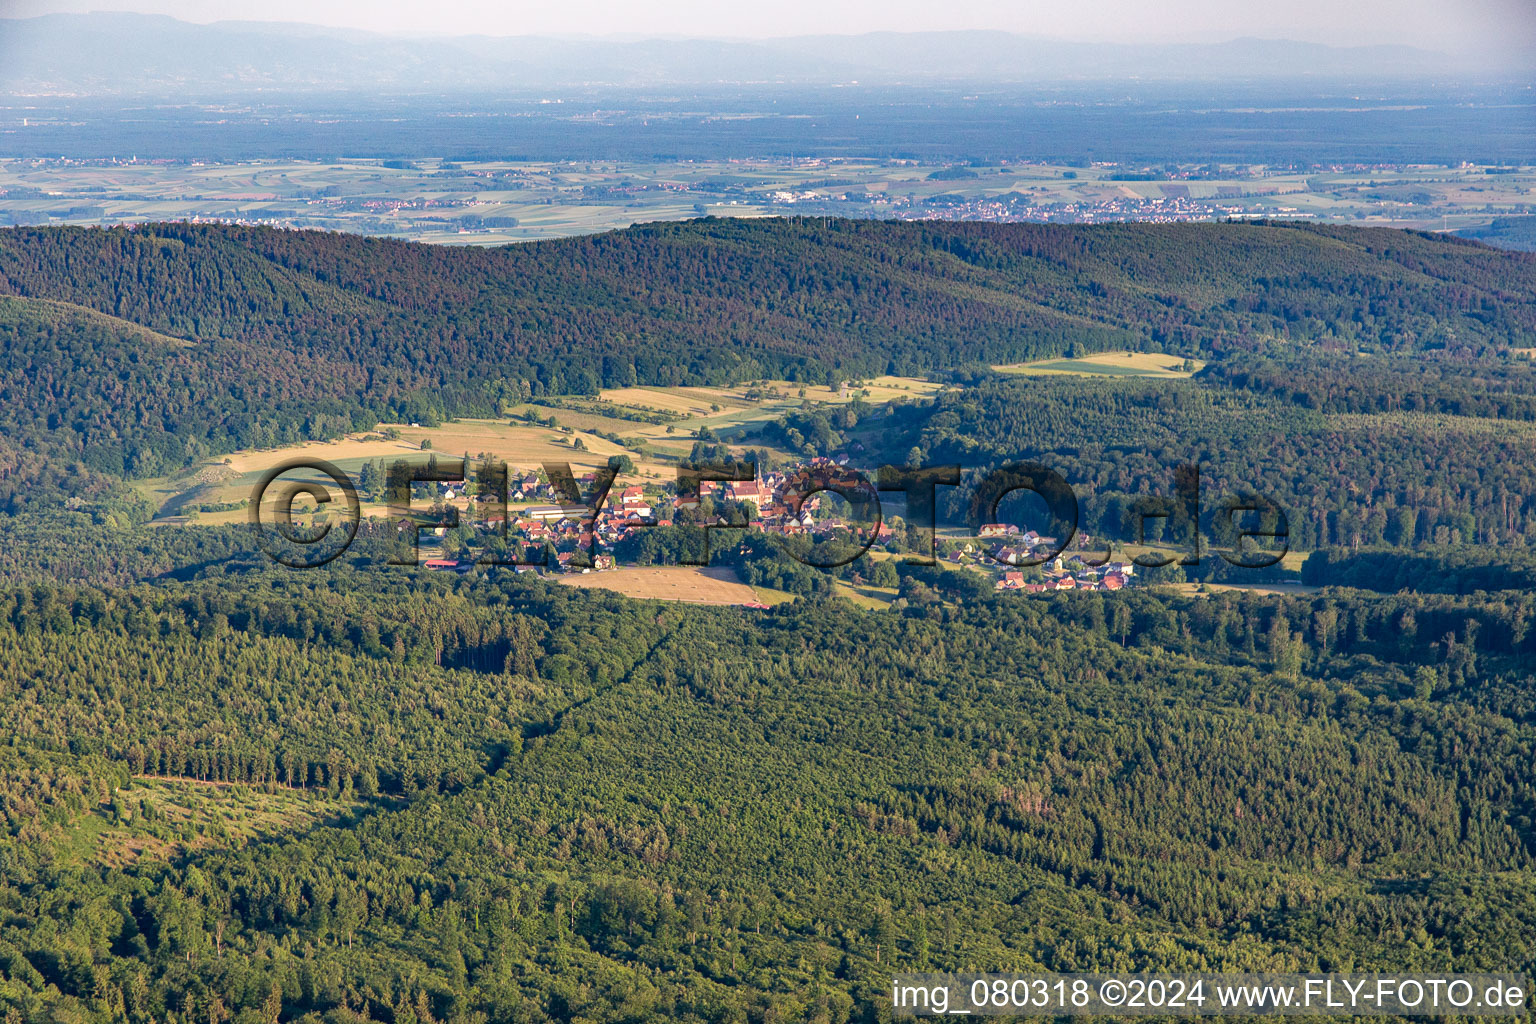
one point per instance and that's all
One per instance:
(288, 334)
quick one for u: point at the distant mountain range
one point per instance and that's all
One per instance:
(118, 54)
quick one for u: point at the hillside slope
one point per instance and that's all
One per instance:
(710, 815)
(289, 324)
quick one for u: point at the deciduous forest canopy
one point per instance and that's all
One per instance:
(232, 791)
(136, 350)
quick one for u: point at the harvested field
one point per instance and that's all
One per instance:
(1109, 364)
(671, 583)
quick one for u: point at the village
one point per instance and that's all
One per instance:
(553, 535)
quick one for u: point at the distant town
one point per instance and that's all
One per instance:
(488, 203)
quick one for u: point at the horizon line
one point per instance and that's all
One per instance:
(638, 37)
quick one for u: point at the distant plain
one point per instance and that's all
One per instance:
(496, 202)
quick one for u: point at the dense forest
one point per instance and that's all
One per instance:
(1402, 479)
(1426, 382)
(232, 791)
(138, 350)
(1506, 232)
(556, 805)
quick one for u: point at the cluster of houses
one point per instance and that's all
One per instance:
(772, 503)
(1028, 548)
(571, 528)
(1071, 574)
(784, 502)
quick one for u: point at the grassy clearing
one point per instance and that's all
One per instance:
(679, 401)
(165, 818)
(588, 422)
(1291, 560)
(1294, 589)
(1109, 364)
(705, 402)
(671, 583)
(875, 598)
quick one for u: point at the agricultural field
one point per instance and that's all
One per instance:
(732, 413)
(234, 478)
(677, 401)
(1111, 364)
(728, 412)
(674, 583)
(499, 202)
(1292, 589)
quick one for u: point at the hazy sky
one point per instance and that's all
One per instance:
(1437, 24)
